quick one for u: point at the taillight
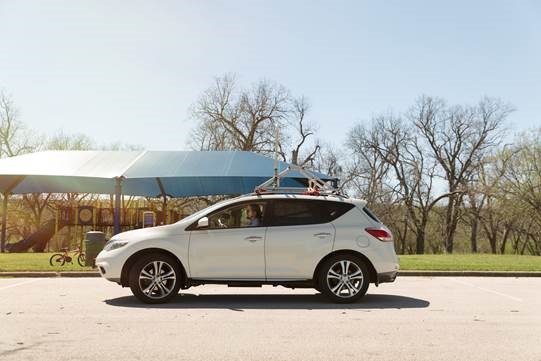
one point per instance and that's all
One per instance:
(380, 233)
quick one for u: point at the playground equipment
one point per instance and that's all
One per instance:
(84, 218)
(37, 240)
(149, 219)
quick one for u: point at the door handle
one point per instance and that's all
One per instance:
(322, 234)
(253, 238)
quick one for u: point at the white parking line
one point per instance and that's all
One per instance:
(18, 284)
(487, 290)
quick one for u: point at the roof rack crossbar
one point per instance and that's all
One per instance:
(315, 184)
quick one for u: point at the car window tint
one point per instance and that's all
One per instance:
(332, 210)
(298, 212)
(238, 216)
(295, 212)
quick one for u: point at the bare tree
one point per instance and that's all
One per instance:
(367, 170)
(78, 141)
(242, 119)
(15, 138)
(481, 192)
(412, 173)
(522, 184)
(302, 132)
(63, 141)
(368, 176)
(330, 161)
(458, 137)
(263, 118)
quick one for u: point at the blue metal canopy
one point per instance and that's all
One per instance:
(142, 173)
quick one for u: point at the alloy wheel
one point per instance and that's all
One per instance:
(345, 279)
(157, 279)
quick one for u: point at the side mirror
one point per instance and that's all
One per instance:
(203, 223)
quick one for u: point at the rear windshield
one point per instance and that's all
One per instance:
(370, 214)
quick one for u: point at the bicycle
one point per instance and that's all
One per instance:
(60, 259)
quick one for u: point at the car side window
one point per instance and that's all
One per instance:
(238, 216)
(299, 212)
(332, 210)
(295, 212)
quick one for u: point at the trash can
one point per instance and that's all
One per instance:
(94, 242)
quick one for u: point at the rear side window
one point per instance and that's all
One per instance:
(299, 212)
(370, 214)
(332, 210)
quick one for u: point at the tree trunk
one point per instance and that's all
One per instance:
(450, 223)
(523, 249)
(504, 239)
(516, 243)
(420, 241)
(294, 157)
(404, 237)
(4, 223)
(474, 232)
(492, 241)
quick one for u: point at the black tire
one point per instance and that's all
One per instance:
(353, 288)
(81, 259)
(139, 286)
(57, 259)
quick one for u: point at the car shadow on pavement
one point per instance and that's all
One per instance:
(239, 302)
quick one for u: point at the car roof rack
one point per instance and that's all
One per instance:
(316, 186)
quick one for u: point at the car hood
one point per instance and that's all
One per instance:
(149, 233)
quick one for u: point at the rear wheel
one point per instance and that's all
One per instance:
(344, 278)
(57, 259)
(155, 278)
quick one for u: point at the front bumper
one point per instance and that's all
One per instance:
(386, 277)
(109, 267)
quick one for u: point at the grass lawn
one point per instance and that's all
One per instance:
(35, 262)
(454, 262)
(470, 262)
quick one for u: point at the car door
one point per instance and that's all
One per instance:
(298, 237)
(229, 248)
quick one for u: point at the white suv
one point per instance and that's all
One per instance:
(331, 243)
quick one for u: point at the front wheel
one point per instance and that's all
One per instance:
(57, 259)
(155, 278)
(81, 259)
(344, 278)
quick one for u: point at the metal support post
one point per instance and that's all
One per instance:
(116, 213)
(4, 221)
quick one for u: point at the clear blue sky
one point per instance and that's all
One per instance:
(129, 70)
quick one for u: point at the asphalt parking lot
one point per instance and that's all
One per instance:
(416, 318)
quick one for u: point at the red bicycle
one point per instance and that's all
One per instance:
(60, 259)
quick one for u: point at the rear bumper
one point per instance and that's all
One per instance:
(386, 277)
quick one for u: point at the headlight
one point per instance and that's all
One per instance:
(114, 245)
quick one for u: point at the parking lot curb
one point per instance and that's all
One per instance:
(405, 273)
(469, 273)
(50, 274)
